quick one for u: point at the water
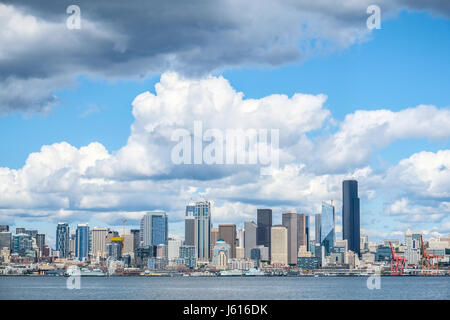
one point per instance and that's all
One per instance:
(258, 288)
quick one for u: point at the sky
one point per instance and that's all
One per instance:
(86, 115)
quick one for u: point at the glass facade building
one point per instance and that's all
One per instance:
(154, 228)
(62, 239)
(264, 225)
(202, 230)
(82, 242)
(350, 215)
(328, 236)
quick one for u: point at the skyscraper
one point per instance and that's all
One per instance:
(301, 232)
(289, 220)
(154, 228)
(40, 242)
(136, 238)
(307, 232)
(350, 215)
(5, 240)
(328, 236)
(264, 222)
(82, 242)
(4, 228)
(62, 239)
(189, 223)
(279, 245)
(318, 227)
(98, 236)
(227, 232)
(202, 230)
(213, 239)
(173, 249)
(249, 238)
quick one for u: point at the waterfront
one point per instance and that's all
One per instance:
(217, 288)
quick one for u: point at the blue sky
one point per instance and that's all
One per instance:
(402, 65)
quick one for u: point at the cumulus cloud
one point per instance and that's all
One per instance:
(119, 40)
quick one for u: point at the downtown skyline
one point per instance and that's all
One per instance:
(89, 142)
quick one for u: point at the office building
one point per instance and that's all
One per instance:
(189, 223)
(301, 231)
(351, 215)
(213, 239)
(5, 240)
(263, 232)
(240, 237)
(40, 242)
(98, 244)
(413, 247)
(188, 256)
(136, 238)
(22, 243)
(227, 232)
(318, 227)
(289, 220)
(173, 249)
(82, 242)
(154, 228)
(62, 239)
(221, 254)
(279, 245)
(202, 230)
(114, 249)
(128, 244)
(4, 228)
(249, 238)
(20, 230)
(307, 232)
(328, 236)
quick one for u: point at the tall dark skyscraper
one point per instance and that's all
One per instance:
(62, 239)
(264, 222)
(307, 231)
(350, 215)
(189, 225)
(290, 221)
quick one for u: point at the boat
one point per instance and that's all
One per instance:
(84, 272)
(231, 273)
(254, 272)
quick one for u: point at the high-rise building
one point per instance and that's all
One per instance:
(5, 240)
(364, 246)
(4, 228)
(202, 230)
(189, 223)
(62, 239)
(98, 245)
(114, 248)
(413, 245)
(289, 220)
(173, 249)
(136, 238)
(22, 243)
(154, 228)
(72, 245)
(40, 242)
(301, 232)
(188, 256)
(279, 245)
(82, 242)
(249, 238)
(350, 215)
(328, 236)
(263, 232)
(227, 232)
(318, 227)
(240, 235)
(20, 230)
(128, 244)
(307, 232)
(213, 239)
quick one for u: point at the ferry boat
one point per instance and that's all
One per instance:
(254, 272)
(84, 272)
(149, 273)
(231, 273)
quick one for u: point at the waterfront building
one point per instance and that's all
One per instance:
(189, 223)
(307, 263)
(289, 220)
(142, 253)
(188, 256)
(227, 232)
(221, 254)
(413, 247)
(351, 215)
(279, 245)
(264, 225)
(328, 236)
(62, 239)
(249, 238)
(154, 228)
(98, 242)
(82, 242)
(383, 254)
(173, 249)
(202, 230)
(241, 264)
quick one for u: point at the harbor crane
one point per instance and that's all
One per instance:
(430, 262)
(397, 263)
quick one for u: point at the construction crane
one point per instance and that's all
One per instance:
(399, 263)
(430, 262)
